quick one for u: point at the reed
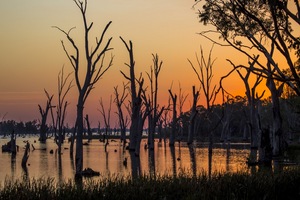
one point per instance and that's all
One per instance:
(242, 185)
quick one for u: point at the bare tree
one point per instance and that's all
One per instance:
(154, 110)
(89, 130)
(123, 121)
(174, 118)
(205, 77)
(64, 86)
(95, 67)
(44, 115)
(136, 100)
(181, 100)
(193, 116)
(106, 118)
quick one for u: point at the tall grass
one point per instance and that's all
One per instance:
(261, 185)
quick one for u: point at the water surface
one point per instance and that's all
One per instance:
(163, 160)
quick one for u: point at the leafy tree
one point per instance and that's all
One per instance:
(259, 25)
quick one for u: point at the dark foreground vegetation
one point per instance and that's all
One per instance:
(260, 185)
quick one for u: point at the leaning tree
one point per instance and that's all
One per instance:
(94, 66)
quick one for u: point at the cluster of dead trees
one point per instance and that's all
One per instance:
(143, 100)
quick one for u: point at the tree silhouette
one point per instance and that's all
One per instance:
(260, 26)
(154, 111)
(136, 99)
(123, 120)
(94, 66)
(44, 115)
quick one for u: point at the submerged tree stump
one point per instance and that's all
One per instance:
(26, 155)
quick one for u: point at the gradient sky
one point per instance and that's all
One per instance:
(31, 54)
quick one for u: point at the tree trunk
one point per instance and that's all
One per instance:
(278, 141)
(25, 156)
(13, 146)
(174, 121)
(192, 126)
(79, 149)
(89, 128)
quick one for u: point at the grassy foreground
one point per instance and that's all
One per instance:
(285, 185)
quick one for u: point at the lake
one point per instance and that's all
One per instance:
(163, 160)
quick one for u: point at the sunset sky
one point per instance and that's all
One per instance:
(31, 54)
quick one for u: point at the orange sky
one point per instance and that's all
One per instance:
(31, 54)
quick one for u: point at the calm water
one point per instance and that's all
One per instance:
(226, 158)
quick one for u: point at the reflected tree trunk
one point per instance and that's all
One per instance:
(135, 165)
(60, 171)
(210, 154)
(151, 161)
(25, 159)
(228, 146)
(13, 164)
(193, 160)
(143, 116)
(173, 159)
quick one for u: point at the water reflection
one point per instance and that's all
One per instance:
(163, 160)
(135, 165)
(193, 160)
(13, 165)
(173, 158)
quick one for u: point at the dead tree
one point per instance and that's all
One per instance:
(123, 121)
(181, 100)
(95, 67)
(89, 130)
(44, 115)
(136, 100)
(174, 119)
(154, 110)
(143, 115)
(106, 118)
(25, 156)
(165, 121)
(64, 86)
(193, 115)
(13, 146)
(205, 77)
